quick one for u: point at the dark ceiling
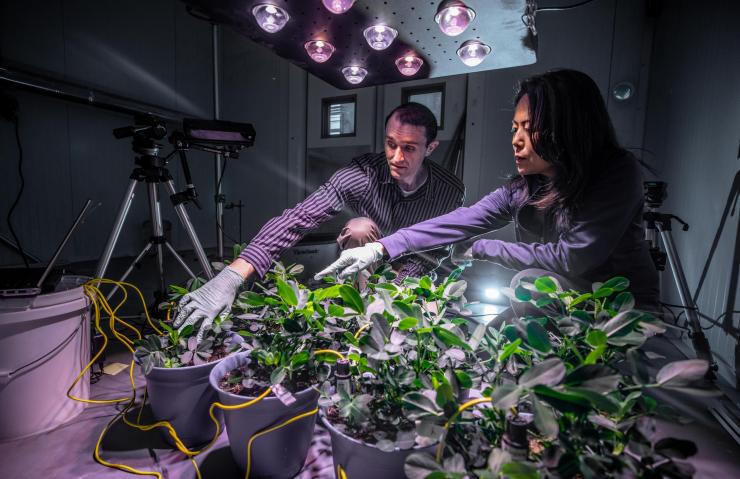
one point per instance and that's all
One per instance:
(497, 23)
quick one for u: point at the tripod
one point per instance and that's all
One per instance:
(152, 170)
(657, 223)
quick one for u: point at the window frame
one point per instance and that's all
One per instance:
(342, 100)
(407, 92)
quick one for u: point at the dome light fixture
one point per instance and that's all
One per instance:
(453, 17)
(319, 50)
(338, 6)
(409, 65)
(270, 18)
(380, 37)
(473, 52)
(354, 74)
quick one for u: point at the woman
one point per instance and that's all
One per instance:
(576, 205)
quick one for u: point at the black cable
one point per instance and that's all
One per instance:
(566, 7)
(223, 170)
(16, 122)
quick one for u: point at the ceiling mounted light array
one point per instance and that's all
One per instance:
(338, 6)
(453, 17)
(270, 18)
(319, 50)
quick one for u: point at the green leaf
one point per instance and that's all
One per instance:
(419, 465)
(506, 396)
(682, 373)
(416, 404)
(336, 310)
(299, 359)
(603, 292)
(537, 337)
(595, 354)
(618, 283)
(278, 375)
(352, 298)
(426, 282)
(546, 284)
(286, 292)
(624, 301)
(509, 350)
(444, 395)
(544, 419)
(455, 289)
(563, 401)
(549, 372)
(449, 338)
(544, 301)
(596, 338)
(464, 379)
(407, 323)
(522, 294)
(519, 470)
(600, 401)
(580, 299)
(511, 333)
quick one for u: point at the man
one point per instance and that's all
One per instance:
(387, 191)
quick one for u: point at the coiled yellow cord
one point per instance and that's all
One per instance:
(463, 407)
(99, 301)
(341, 474)
(363, 328)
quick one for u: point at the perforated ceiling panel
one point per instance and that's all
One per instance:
(497, 23)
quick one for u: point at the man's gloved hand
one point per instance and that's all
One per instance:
(208, 301)
(353, 260)
(462, 254)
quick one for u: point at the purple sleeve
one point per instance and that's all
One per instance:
(492, 212)
(280, 233)
(606, 212)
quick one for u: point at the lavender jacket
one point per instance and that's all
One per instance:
(606, 238)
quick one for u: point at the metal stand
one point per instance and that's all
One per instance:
(153, 170)
(661, 223)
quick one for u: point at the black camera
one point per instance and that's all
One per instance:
(655, 193)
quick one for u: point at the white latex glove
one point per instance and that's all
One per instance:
(353, 260)
(462, 254)
(205, 303)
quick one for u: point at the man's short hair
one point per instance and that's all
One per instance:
(416, 114)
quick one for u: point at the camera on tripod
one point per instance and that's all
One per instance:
(215, 136)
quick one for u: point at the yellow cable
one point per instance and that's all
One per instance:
(472, 402)
(265, 431)
(363, 328)
(330, 351)
(340, 472)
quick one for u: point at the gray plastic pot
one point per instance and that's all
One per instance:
(365, 461)
(277, 454)
(182, 396)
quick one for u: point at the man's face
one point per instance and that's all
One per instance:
(528, 162)
(405, 148)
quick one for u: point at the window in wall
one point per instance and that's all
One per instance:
(431, 96)
(338, 116)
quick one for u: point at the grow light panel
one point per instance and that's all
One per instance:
(497, 23)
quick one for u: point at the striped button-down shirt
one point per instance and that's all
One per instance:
(366, 187)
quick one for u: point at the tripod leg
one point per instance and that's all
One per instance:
(136, 261)
(158, 239)
(180, 260)
(185, 220)
(698, 339)
(128, 197)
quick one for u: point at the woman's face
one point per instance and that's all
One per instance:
(528, 162)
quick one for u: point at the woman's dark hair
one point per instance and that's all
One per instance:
(416, 114)
(572, 131)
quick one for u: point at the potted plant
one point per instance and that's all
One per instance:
(413, 344)
(555, 374)
(270, 391)
(176, 368)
